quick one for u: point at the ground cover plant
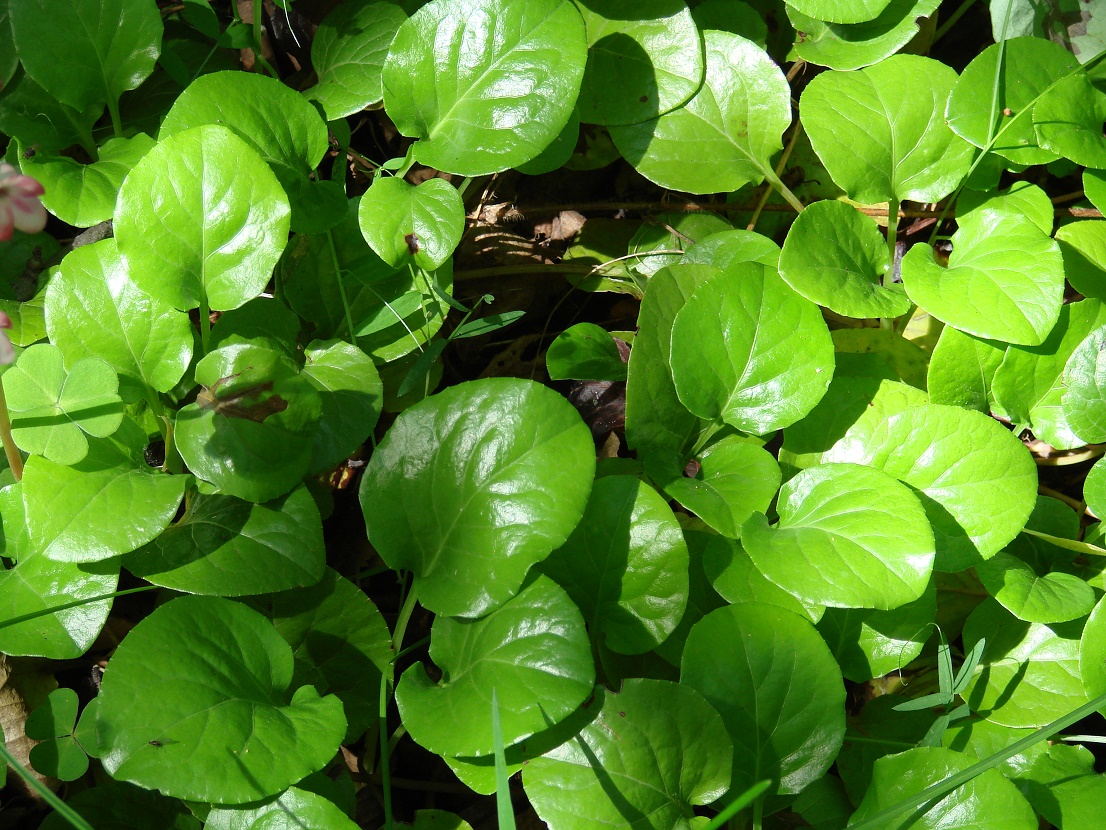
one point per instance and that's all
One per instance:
(577, 414)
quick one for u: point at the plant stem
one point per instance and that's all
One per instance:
(387, 680)
(116, 122)
(341, 285)
(784, 191)
(77, 603)
(954, 18)
(205, 323)
(11, 452)
(795, 131)
(64, 810)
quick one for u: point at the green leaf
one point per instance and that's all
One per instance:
(263, 321)
(625, 565)
(251, 430)
(962, 370)
(778, 689)
(37, 118)
(1068, 121)
(859, 348)
(1032, 596)
(1094, 187)
(871, 643)
(58, 755)
(1020, 199)
(881, 131)
(1065, 789)
(735, 480)
(160, 729)
(644, 59)
(223, 546)
(295, 809)
(438, 820)
(504, 468)
(84, 194)
(1029, 66)
(352, 397)
(402, 222)
(109, 46)
(726, 135)
(737, 580)
(202, 220)
(485, 85)
(1085, 382)
(1094, 488)
(840, 11)
(1030, 674)
(348, 55)
(278, 123)
(852, 46)
(53, 410)
(662, 743)
(585, 352)
(836, 257)
(532, 650)
(1092, 652)
(108, 504)
(1029, 383)
(94, 309)
(749, 351)
(838, 519)
(340, 642)
(120, 806)
(728, 247)
(1004, 280)
(976, 803)
(976, 480)
(1083, 246)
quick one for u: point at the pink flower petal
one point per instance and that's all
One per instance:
(7, 351)
(7, 223)
(26, 186)
(29, 214)
(5, 321)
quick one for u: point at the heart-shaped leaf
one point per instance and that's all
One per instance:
(108, 504)
(1004, 280)
(1033, 596)
(348, 54)
(402, 222)
(112, 46)
(202, 220)
(585, 352)
(1083, 245)
(94, 309)
(160, 728)
(734, 576)
(976, 480)
(513, 71)
(852, 46)
(1029, 66)
(57, 755)
(1085, 382)
(1020, 199)
(836, 257)
(227, 547)
(625, 565)
(881, 131)
(296, 808)
(779, 691)
(848, 536)
(962, 370)
(504, 467)
(251, 428)
(1069, 119)
(340, 642)
(352, 395)
(749, 351)
(532, 651)
(644, 59)
(726, 135)
(665, 746)
(53, 410)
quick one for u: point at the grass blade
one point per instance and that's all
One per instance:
(502, 785)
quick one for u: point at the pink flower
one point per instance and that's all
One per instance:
(19, 204)
(7, 351)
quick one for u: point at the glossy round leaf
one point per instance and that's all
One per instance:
(1085, 379)
(294, 810)
(1030, 595)
(202, 215)
(161, 729)
(1094, 488)
(532, 650)
(881, 131)
(1083, 246)
(352, 396)
(115, 805)
(980, 802)
(836, 257)
(53, 411)
(348, 54)
(778, 689)
(1004, 280)
(726, 135)
(94, 309)
(644, 59)
(1094, 187)
(736, 579)
(962, 370)
(340, 642)
(976, 480)
(749, 351)
(848, 536)
(402, 222)
(251, 429)
(1069, 121)
(625, 565)
(585, 351)
(854, 45)
(840, 11)
(1020, 199)
(662, 743)
(726, 248)
(1029, 66)
(223, 546)
(472, 486)
(1092, 652)
(485, 85)
(110, 46)
(1029, 675)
